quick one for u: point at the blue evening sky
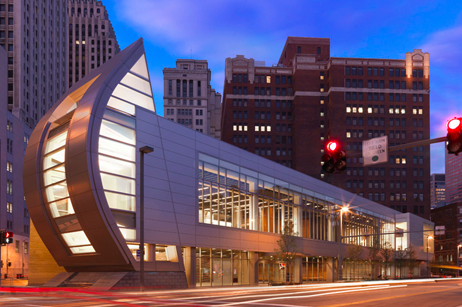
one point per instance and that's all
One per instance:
(213, 30)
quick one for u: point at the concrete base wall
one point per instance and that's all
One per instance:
(42, 266)
(153, 280)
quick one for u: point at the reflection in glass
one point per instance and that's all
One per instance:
(116, 166)
(82, 249)
(76, 238)
(57, 191)
(128, 94)
(118, 184)
(54, 175)
(61, 207)
(128, 234)
(134, 248)
(53, 159)
(118, 132)
(117, 149)
(120, 201)
(120, 118)
(137, 83)
(121, 105)
(56, 142)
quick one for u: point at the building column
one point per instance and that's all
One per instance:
(297, 270)
(254, 212)
(253, 259)
(151, 252)
(190, 266)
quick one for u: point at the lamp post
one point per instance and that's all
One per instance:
(458, 256)
(340, 256)
(143, 150)
(428, 245)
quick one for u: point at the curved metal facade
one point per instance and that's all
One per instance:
(80, 185)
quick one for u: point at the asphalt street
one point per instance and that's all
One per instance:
(407, 294)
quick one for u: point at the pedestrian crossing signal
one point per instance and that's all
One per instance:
(6, 237)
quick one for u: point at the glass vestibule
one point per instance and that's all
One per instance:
(221, 267)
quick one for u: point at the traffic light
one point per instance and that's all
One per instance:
(6, 237)
(334, 158)
(454, 137)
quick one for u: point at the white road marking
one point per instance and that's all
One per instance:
(217, 297)
(256, 302)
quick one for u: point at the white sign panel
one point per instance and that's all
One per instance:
(375, 151)
(440, 230)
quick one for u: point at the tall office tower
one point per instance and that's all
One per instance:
(34, 34)
(189, 99)
(14, 216)
(437, 190)
(453, 166)
(92, 40)
(288, 111)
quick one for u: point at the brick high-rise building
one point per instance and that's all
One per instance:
(92, 40)
(189, 99)
(453, 168)
(287, 111)
(449, 216)
(34, 35)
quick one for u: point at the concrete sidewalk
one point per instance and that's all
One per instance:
(13, 282)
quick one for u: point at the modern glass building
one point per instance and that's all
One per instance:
(213, 212)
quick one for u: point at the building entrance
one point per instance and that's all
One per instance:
(221, 267)
(271, 271)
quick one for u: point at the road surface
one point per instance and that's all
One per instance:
(441, 293)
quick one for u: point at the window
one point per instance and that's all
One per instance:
(170, 89)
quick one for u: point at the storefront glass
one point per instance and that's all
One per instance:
(217, 267)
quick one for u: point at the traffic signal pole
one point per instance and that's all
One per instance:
(405, 146)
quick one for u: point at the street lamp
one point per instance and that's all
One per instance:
(428, 245)
(458, 256)
(143, 150)
(340, 256)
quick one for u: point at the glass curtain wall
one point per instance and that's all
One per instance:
(117, 164)
(314, 269)
(222, 267)
(57, 195)
(233, 196)
(357, 270)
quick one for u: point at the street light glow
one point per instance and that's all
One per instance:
(345, 209)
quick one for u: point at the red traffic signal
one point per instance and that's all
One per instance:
(7, 237)
(454, 136)
(332, 146)
(334, 158)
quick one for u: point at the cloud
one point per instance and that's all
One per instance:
(444, 48)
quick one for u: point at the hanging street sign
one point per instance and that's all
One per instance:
(375, 151)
